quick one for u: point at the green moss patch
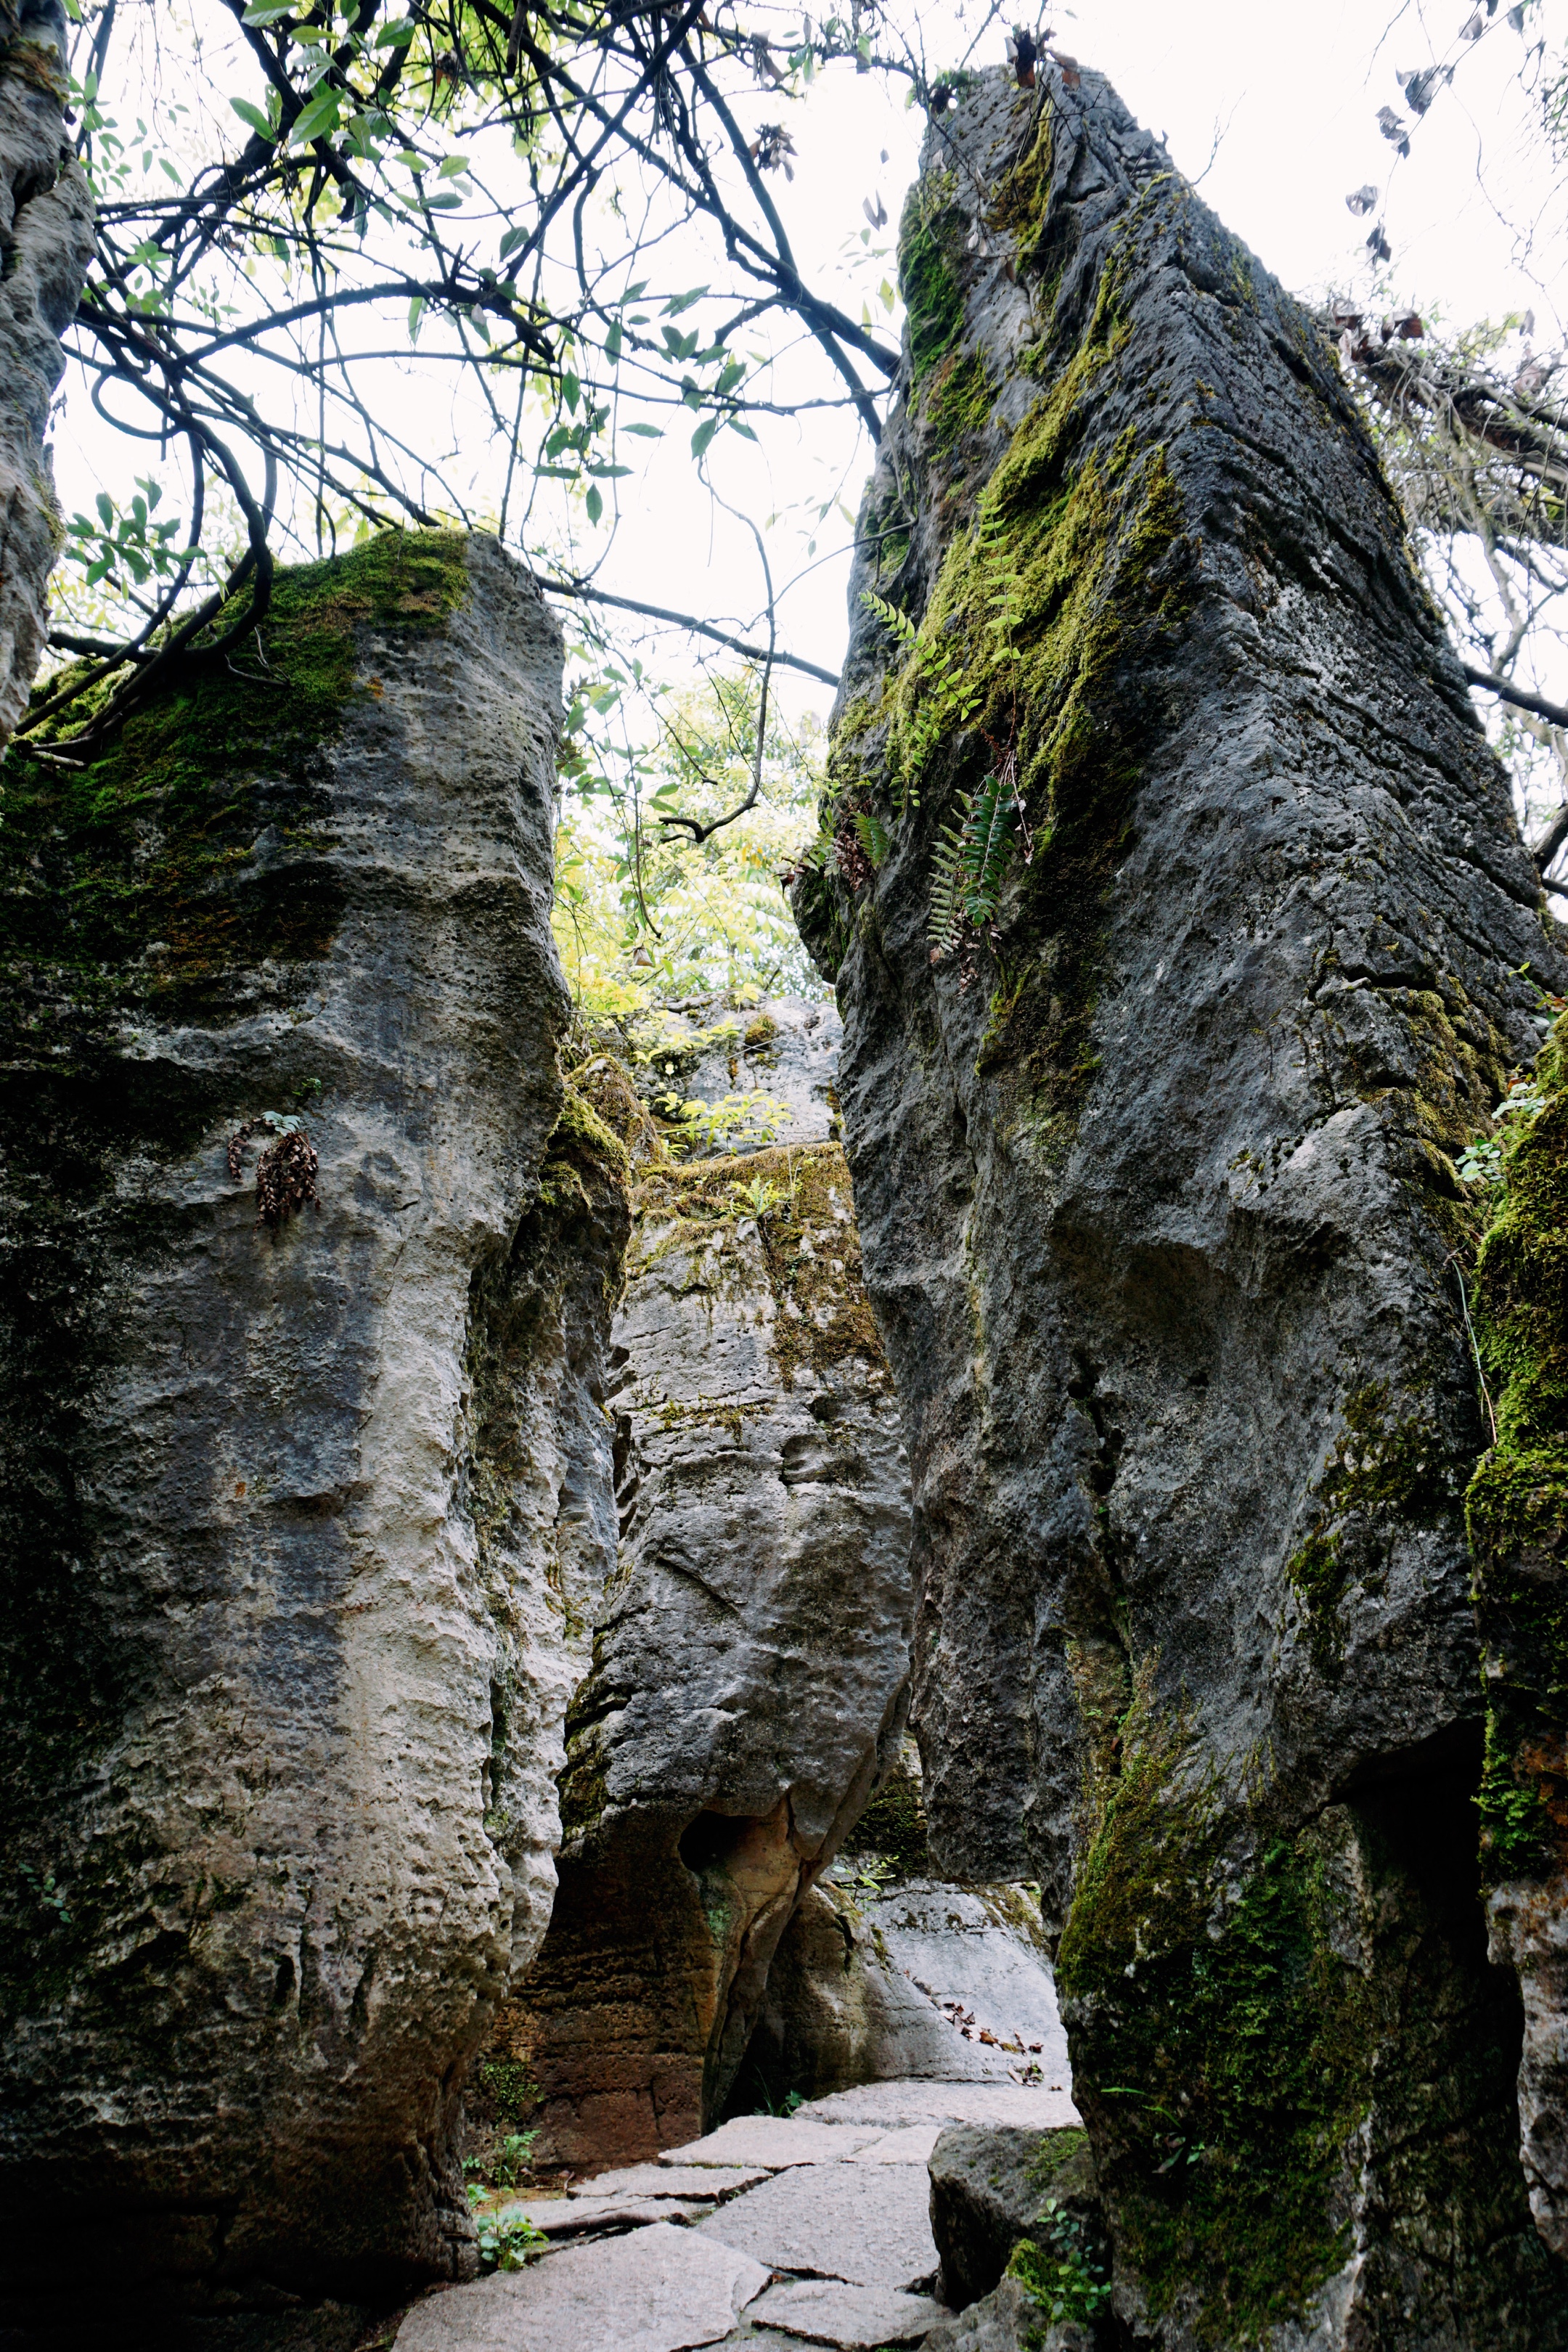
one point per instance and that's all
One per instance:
(134, 882)
(1386, 1470)
(798, 1199)
(1517, 1506)
(930, 239)
(1221, 2042)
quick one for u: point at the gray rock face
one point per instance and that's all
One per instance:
(47, 229)
(914, 1979)
(783, 1048)
(1152, 1118)
(1007, 2320)
(298, 1515)
(987, 2187)
(750, 1664)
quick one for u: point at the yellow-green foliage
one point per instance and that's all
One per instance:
(1219, 2039)
(1518, 1501)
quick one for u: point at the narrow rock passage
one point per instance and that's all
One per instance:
(773, 2230)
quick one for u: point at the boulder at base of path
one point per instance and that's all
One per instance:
(1009, 2320)
(865, 2223)
(658, 2290)
(987, 2186)
(855, 2318)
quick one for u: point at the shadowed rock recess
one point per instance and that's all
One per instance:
(1156, 1061)
(299, 1509)
(751, 1661)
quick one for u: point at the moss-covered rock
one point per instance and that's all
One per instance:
(1194, 960)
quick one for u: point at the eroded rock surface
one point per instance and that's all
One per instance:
(300, 1509)
(749, 1681)
(47, 229)
(1152, 1095)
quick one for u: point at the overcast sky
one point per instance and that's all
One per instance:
(1274, 107)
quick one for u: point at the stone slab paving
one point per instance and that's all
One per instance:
(710, 2180)
(900, 2104)
(660, 2289)
(856, 2319)
(913, 2145)
(772, 2142)
(565, 2217)
(868, 2224)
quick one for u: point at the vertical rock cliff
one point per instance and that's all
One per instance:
(1187, 937)
(46, 240)
(307, 1267)
(751, 1662)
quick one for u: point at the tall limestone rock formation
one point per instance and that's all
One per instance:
(46, 239)
(1159, 1050)
(306, 1273)
(751, 1662)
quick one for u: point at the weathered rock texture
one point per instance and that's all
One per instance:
(750, 1668)
(297, 1519)
(913, 1980)
(988, 2185)
(1519, 1525)
(783, 1048)
(1153, 1146)
(46, 240)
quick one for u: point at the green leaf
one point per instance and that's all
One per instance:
(415, 312)
(105, 510)
(613, 343)
(511, 241)
(645, 432)
(447, 204)
(570, 389)
(319, 119)
(268, 12)
(453, 166)
(595, 504)
(254, 117)
(704, 434)
(738, 424)
(677, 302)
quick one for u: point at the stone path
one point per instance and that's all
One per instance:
(774, 2232)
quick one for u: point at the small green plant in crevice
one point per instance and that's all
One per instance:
(41, 1885)
(1057, 2266)
(513, 2157)
(1481, 1161)
(507, 2242)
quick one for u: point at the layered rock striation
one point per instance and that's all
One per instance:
(1196, 940)
(749, 1683)
(308, 1262)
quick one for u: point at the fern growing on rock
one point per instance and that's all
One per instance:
(971, 865)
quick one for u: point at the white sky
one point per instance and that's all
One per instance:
(1292, 95)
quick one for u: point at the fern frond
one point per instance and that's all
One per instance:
(872, 835)
(945, 924)
(902, 627)
(988, 829)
